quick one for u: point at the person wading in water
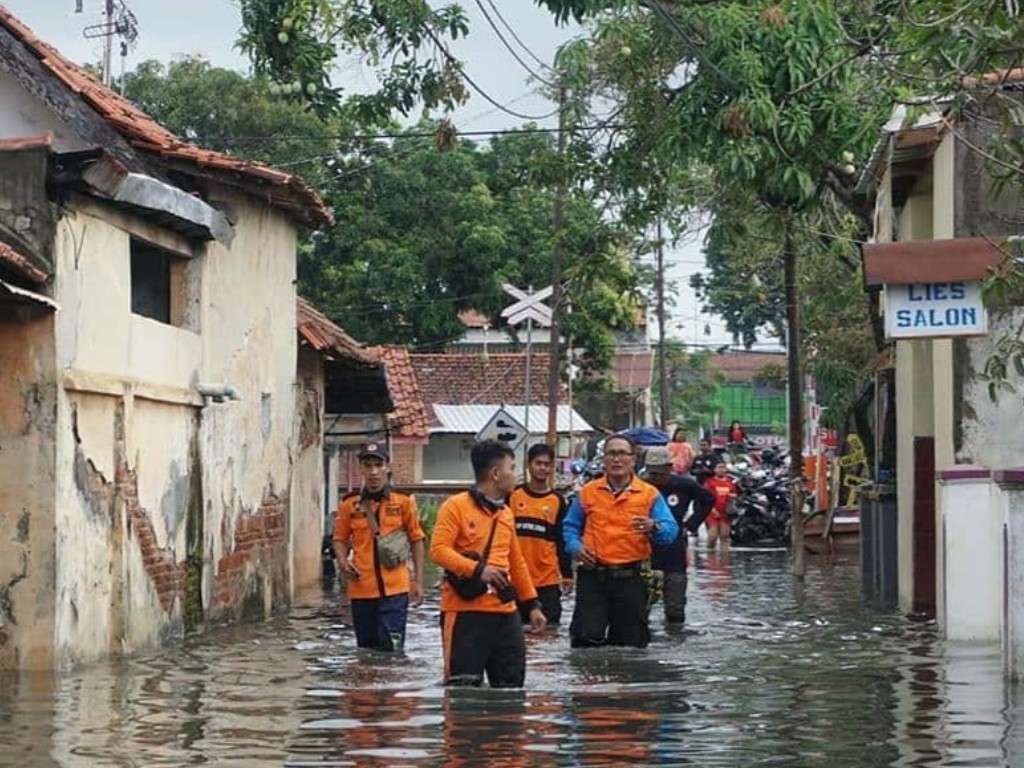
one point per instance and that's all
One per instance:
(539, 513)
(609, 529)
(475, 542)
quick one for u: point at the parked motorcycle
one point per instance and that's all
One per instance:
(761, 513)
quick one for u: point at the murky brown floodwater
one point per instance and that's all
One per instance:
(760, 677)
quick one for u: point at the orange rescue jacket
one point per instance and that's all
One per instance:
(394, 511)
(608, 531)
(463, 526)
(539, 528)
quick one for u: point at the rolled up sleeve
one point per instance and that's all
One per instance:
(667, 528)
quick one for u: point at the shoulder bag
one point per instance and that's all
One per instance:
(393, 549)
(472, 587)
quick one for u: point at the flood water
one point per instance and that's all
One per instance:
(760, 676)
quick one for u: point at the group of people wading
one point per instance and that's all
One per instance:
(508, 553)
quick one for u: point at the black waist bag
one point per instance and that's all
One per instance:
(472, 587)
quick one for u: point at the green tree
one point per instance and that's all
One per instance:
(693, 386)
(296, 43)
(229, 112)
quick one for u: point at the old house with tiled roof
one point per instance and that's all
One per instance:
(160, 416)
(461, 392)
(403, 427)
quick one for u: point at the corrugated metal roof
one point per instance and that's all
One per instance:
(470, 419)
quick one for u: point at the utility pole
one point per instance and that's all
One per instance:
(108, 44)
(664, 401)
(554, 379)
(118, 22)
(796, 402)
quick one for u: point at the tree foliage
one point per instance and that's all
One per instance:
(760, 114)
(694, 386)
(423, 234)
(228, 112)
(296, 43)
(420, 234)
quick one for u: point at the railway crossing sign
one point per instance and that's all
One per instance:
(504, 428)
(530, 306)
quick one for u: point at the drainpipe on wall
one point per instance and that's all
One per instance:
(218, 393)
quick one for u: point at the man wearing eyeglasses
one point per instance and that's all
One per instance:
(609, 530)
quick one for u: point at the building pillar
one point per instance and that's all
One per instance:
(1011, 484)
(915, 415)
(970, 562)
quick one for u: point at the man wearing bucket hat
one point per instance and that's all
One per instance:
(679, 491)
(376, 532)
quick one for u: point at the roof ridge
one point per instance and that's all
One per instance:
(142, 132)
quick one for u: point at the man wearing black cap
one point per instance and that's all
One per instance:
(679, 491)
(376, 531)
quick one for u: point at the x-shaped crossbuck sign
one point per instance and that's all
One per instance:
(530, 306)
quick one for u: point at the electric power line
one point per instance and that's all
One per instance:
(476, 87)
(524, 46)
(509, 48)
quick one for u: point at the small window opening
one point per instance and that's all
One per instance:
(158, 283)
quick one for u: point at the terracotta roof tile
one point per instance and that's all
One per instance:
(473, 319)
(144, 133)
(21, 266)
(22, 143)
(410, 415)
(455, 379)
(328, 338)
(744, 366)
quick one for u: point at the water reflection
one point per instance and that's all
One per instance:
(761, 675)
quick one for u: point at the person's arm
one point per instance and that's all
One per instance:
(526, 593)
(414, 531)
(665, 527)
(572, 528)
(703, 503)
(564, 558)
(342, 539)
(519, 574)
(442, 544)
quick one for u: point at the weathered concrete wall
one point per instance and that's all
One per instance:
(991, 431)
(28, 410)
(987, 433)
(307, 498)
(24, 115)
(981, 209)
(249, 340)
(173, 512)
(446, 457)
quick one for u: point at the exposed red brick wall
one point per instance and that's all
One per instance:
(168, 576)
(258, 547)
(260, 542)
(405, 467)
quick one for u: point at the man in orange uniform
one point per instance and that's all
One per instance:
(380, 595)
(475, 539)
(609, 529)
(539, 513)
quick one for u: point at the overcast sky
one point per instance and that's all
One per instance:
(170, 29)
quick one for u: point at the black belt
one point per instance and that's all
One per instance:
(624, 571)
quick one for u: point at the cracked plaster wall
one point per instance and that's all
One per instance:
(128, 438)
(27, 491)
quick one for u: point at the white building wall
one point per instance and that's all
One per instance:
(131, 430)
